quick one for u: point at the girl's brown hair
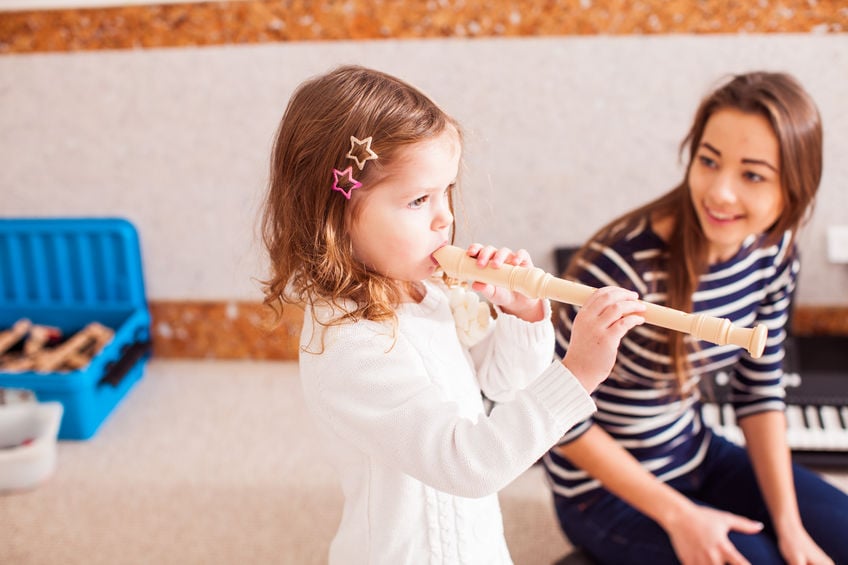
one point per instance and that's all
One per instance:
(305, 222)
(796, 123)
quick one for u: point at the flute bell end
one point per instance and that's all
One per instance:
(757, 344)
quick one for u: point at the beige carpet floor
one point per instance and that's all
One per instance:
(211, 462)
(214, 462)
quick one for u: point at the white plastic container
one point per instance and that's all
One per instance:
(28, 433)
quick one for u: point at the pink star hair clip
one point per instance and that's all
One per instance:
(350, 183)
(360, 151)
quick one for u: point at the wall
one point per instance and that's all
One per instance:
(165, 115)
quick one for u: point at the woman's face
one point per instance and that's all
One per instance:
(735, 180)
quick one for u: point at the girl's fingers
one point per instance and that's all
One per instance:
(489, 255)
(497, 257)
(608, 295)
(484, 255)
(473, 249)
(625, 324)
(611, 304)
(521, 258)
(609, 313)
(618, 311)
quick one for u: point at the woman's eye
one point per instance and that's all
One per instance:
(418, 202)
(706, 161)
(754, 177)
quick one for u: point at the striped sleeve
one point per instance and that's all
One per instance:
(608, 268)
(756, 383)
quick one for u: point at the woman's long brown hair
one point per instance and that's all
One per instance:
(796, 123)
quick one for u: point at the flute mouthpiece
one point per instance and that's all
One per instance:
(449, 258)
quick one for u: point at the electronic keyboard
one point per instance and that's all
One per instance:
(816, 381)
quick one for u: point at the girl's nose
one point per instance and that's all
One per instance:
(443, 218)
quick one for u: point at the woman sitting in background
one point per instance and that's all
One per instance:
(645, 480)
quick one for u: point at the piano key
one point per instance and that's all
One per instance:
(842, 421)
(812, 417)
(815, 434)
(709, 414)
(795, 426)
(791, 380)
(836, 433)
(731, 430)
(728, 416)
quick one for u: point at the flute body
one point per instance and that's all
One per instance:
(536, 283)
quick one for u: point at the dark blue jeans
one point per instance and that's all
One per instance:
(613, 532)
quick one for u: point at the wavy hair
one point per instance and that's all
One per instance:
(305, 222)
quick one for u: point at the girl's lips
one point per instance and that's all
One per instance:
(432, 258)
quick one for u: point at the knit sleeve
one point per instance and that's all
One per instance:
(371, 389)
(513, 354)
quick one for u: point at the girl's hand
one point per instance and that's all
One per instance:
(602, 321)
(800, 549)
(515, 303)
(701, 537)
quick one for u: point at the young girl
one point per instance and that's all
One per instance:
(361, 195)
(644, 480)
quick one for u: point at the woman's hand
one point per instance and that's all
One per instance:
(798, 548)
(701, 536)
(602, 321)
(515, 303)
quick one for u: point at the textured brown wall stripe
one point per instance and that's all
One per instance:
(223, 330)
(241, 330)
(264, 21)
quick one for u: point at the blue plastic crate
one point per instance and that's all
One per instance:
(68, 272)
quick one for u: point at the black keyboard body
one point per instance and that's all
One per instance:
(817, 376)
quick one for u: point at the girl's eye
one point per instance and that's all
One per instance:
(418, 202)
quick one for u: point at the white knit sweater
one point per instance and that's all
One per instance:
(401, 412)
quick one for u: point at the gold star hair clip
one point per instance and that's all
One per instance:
(360, 151)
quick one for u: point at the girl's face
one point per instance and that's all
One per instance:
(735, 181)
(403, 218)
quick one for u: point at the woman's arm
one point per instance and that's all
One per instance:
(698, 534)
(765, 438)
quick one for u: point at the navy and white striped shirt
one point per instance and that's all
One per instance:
(639, 405)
